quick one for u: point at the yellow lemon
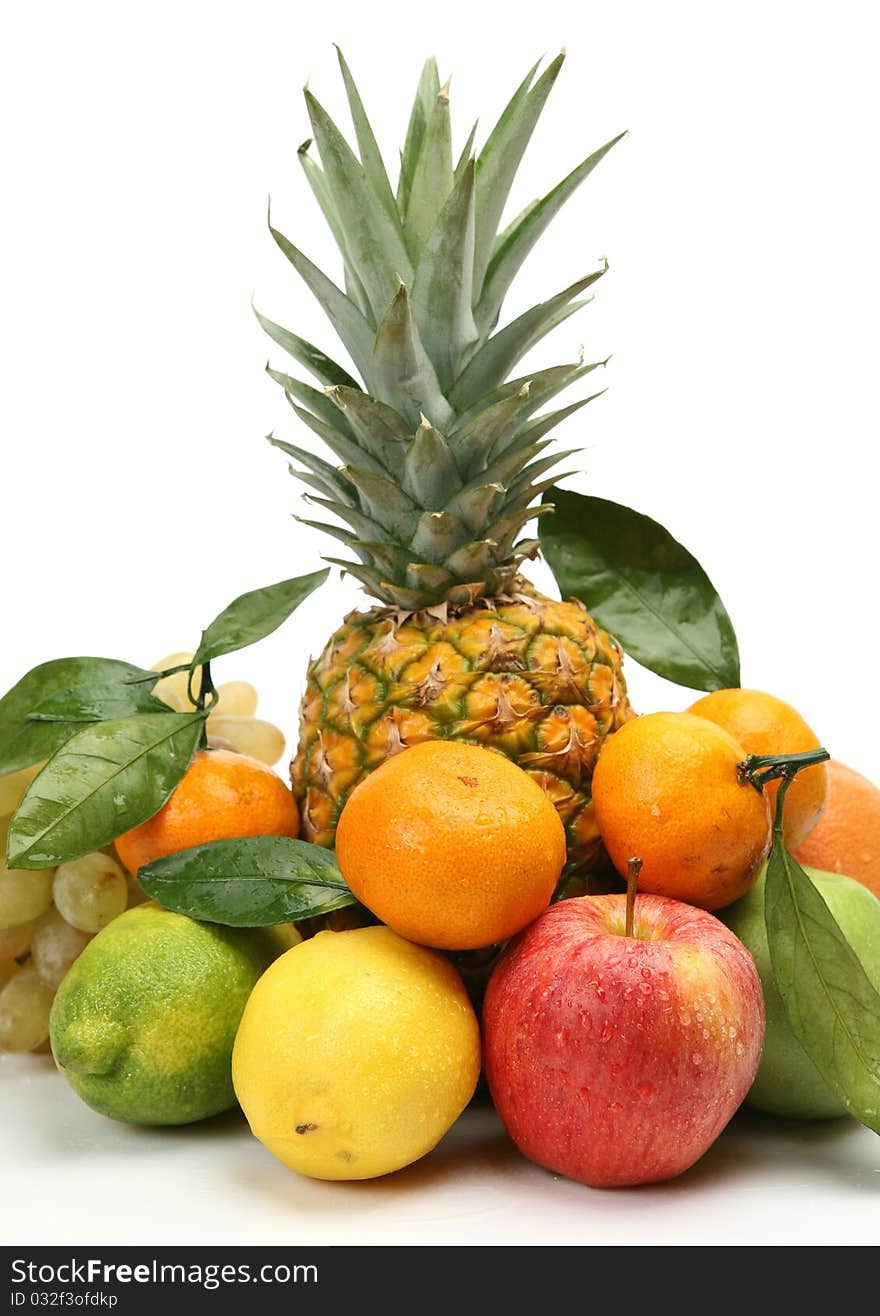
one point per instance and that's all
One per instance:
(356, 1052)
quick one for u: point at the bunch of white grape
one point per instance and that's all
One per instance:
(232, 722)
(46, 917)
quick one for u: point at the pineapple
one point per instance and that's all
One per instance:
(440, 458)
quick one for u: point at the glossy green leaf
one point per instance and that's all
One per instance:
(253, 616)
(97, 703)
(23, 742)
(248, 883)
(830, 1003)
(642, 586)
(106, 779)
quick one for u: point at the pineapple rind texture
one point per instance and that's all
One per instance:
(533, 678)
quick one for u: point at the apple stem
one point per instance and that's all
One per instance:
(633, 869)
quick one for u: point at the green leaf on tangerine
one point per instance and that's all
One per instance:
(22, 741)
(831, 1005)
(642, 586)
(255, 615)
(251, 882)
(106, 779)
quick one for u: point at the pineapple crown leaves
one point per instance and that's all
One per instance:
(440, 455)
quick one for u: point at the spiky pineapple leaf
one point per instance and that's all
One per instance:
(321, 192)
(385, 502)
(343, 447)
(507, 260)
(426, 93)
(372, 240)
(371, 156)
(501, 157)
(441, 297)
(429, 470)
(544, 424)
(466, 153)
(316, 401)
(403, 371)
(497, 357)
(472, 443)
(432, 178)
(355, 332)
(326, 478)
(439, 534)
(319, 363)
(644, 587)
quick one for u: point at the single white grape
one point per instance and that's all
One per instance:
(25, 1003)
(55, 945)
(235, 699)
(24, 894)
(173, 690)
(250, 735)
(90, 892)
(13, 785)
(15, 941)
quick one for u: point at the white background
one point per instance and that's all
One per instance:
(740, 218)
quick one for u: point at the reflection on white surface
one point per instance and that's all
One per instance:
(77, 1178)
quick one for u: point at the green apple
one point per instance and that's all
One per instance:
(787, 1082)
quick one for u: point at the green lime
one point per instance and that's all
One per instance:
(143, 1024)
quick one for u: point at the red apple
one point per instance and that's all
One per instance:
(618, 1059)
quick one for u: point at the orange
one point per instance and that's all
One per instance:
(666, 791)
(222, 794)
(451, 845)
(764, 724)
(847, 838)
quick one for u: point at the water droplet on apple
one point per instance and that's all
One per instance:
(684, 1019)
(731, 1032)
(647, 973)
(739, 1048)
(585, 1021)
(645, 988)
(697, 1058)
(705, 1032)
(607, 1033)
